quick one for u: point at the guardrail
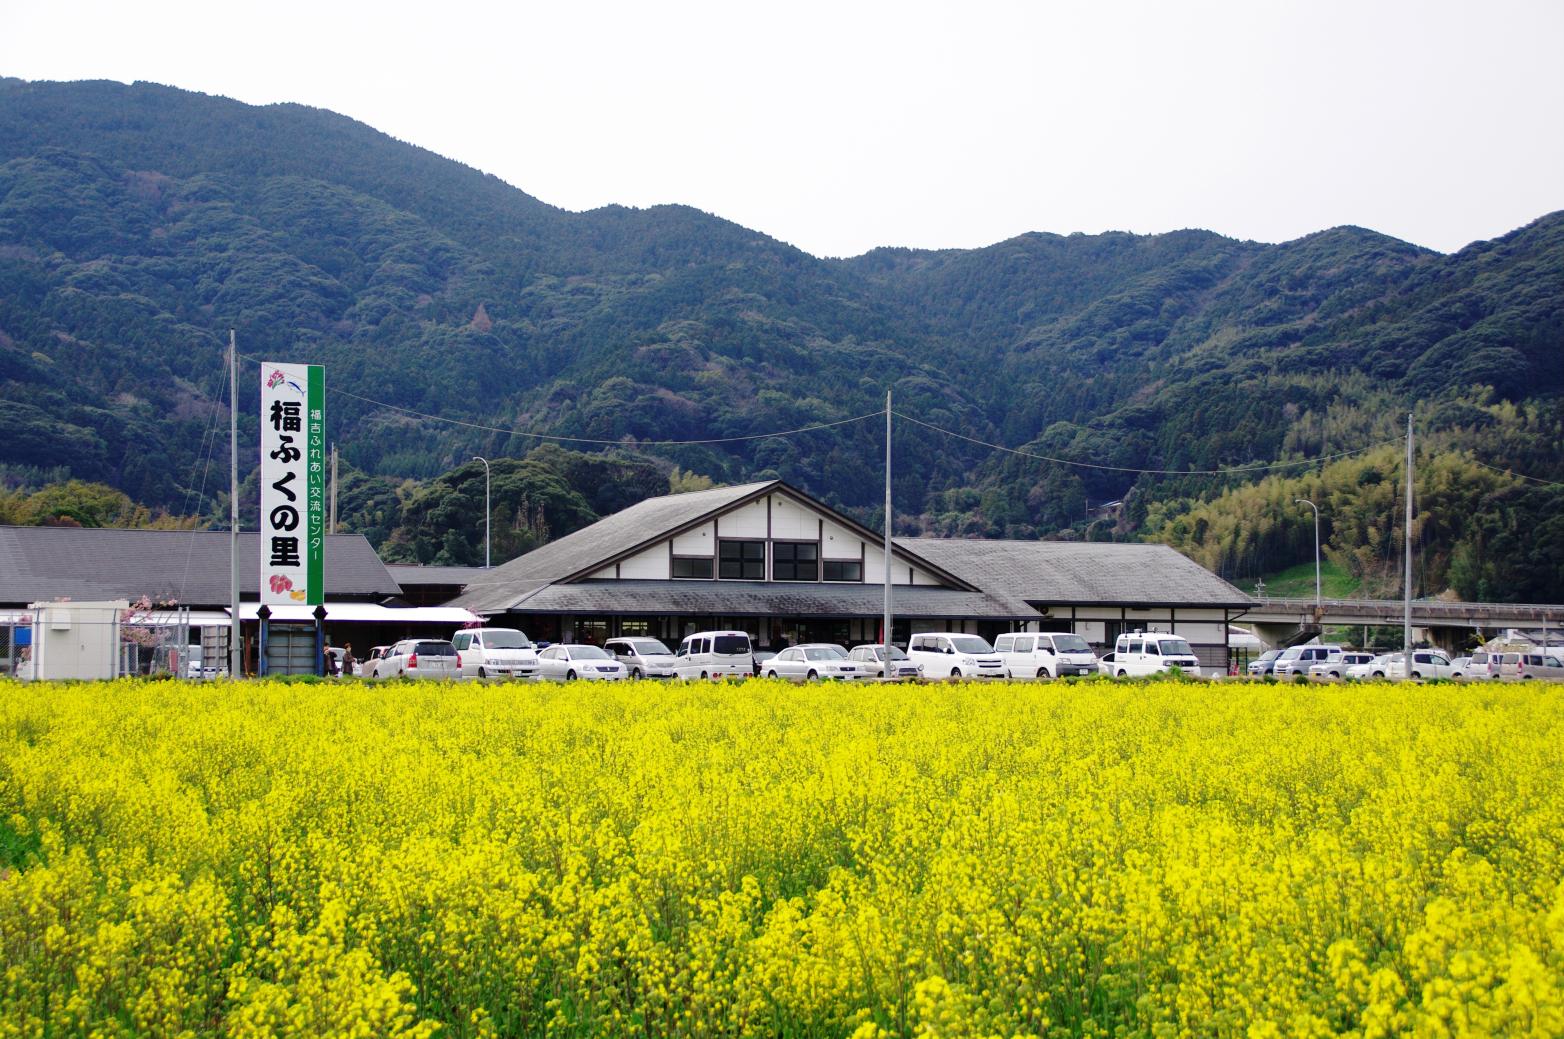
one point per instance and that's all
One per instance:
(1442, 608)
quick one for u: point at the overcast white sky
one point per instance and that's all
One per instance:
(842, 126)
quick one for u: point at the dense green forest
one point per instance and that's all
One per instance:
(139, 223)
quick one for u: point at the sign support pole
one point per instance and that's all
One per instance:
(235, 650)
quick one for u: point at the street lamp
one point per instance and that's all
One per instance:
(1304, 501)
(487, 517)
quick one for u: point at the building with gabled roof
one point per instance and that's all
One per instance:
(769, 559)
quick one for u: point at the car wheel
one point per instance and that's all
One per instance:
(1122, 672)
(570, 676)
(705, 675)
(1042, 672)
(636, 672)
(1377, 674)
(955, 672)
(482, 674)
(1416, 674)
(814, 676)
(771, 674)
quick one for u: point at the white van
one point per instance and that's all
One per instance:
(1149, 652)
(496, 653)
(709, 654)
(1045, 655)
(953, 654)
(1297, 660)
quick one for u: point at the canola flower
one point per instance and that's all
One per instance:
(1095, 859)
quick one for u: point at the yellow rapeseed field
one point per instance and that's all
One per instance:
(1162, 859)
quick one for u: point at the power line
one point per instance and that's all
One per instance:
(1154, 472)
(1523, 476)
(590, 440)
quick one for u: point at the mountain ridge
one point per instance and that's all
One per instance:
(138, 223)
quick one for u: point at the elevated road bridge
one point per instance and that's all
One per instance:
(1450, 625)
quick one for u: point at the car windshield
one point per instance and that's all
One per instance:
(587, 653)
(730, 644)
(435, 649)
(824, 653)
(505, 639)
(650, 648)
(878, 652)
(1175, 648)
(1270, 654)
(971, 644)
(1071, 644)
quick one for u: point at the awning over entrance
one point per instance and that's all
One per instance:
(364, 613)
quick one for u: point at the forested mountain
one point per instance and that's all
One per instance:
(138, 223)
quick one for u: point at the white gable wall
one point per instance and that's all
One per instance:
(785, 519)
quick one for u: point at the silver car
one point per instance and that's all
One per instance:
(420, 658)
(872, 656)
(568, 662)
(1337, 667)
(814, 661)
(644, 657)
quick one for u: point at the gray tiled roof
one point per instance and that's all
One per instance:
(505, 586)
(411, 575)
(39, 564)
(764, 599)
(1018, 572)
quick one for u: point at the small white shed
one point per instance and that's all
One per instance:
(75, 640)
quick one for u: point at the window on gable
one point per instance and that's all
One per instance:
(742, 560)
(795, 561)
(693, 567)
(842, 570)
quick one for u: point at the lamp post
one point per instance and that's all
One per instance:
(487, 518)
(1318, 604)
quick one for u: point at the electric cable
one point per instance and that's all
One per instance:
(1261, 467)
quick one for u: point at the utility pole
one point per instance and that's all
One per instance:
(332, 529)
(487, 515)
(1318, 601)
(235, 651)
(886, 620)
(1406, 624)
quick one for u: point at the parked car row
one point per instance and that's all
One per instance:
(1332, 662)
(505, 653)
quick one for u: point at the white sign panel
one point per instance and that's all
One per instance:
(293, 483)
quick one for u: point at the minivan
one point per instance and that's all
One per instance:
(1149, 652)
(1297, 660)
(496, 653)
(710, 654)
(954, 654)
(1045, 654)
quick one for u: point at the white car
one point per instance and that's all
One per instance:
(1045, 655)
(1336, 667)
(420, 658)
(872, 655)
(566, 662)
(814, 661)
(496, 653)
(1150, 652)
(1297, 660)
(643, 657)
(1376, 667)
(712, 654)
(953, 654)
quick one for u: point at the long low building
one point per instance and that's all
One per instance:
(191, 568)
(760, 557)
(768, 559)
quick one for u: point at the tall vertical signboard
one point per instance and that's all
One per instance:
(293, 483)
